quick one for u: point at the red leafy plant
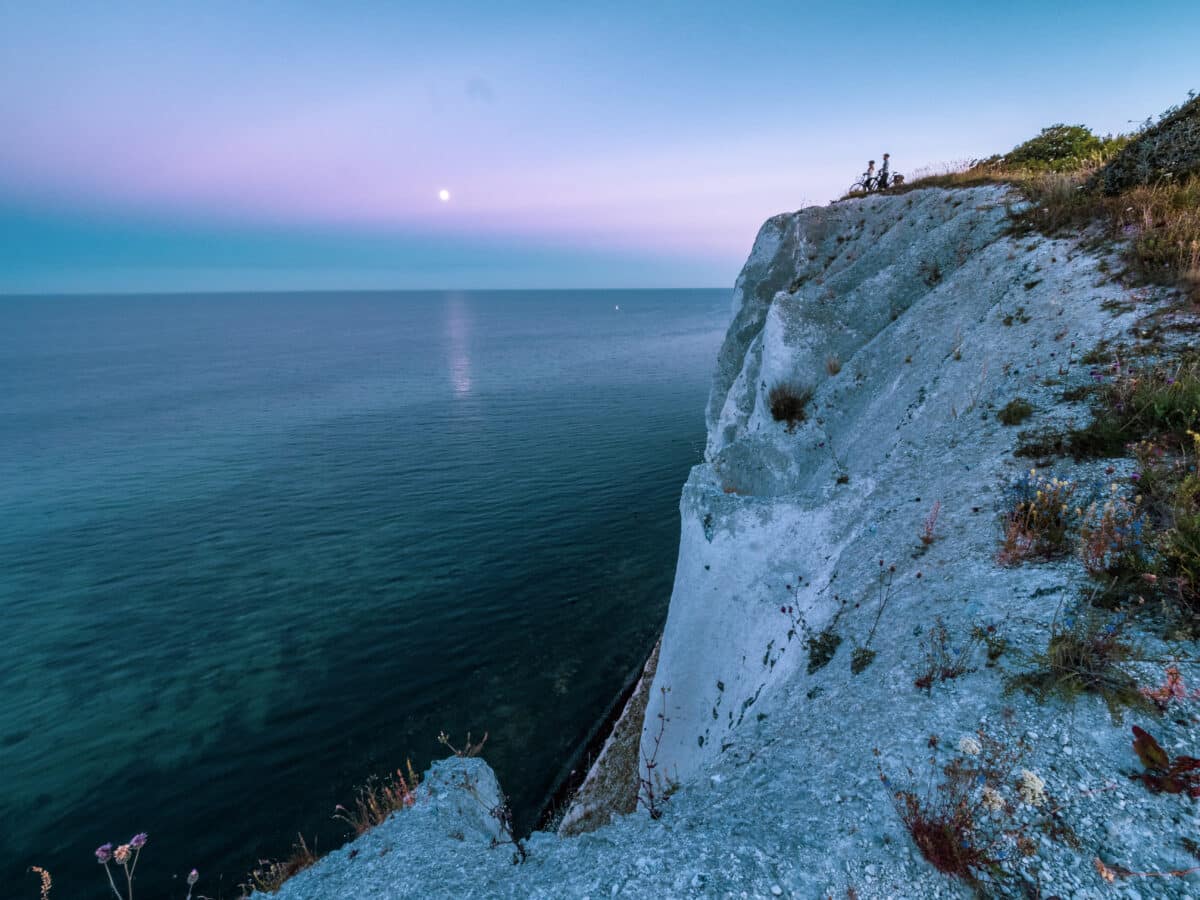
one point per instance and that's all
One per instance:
(974, 823)
(1164, 775)
(1172, 689)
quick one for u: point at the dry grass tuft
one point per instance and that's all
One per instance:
(378, 799)
(269, 875)
(788, 402)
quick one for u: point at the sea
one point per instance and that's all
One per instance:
(256, 549)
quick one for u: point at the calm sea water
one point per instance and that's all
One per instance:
(255, 548)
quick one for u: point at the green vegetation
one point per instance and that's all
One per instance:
(1084, 656)
(1163, 151)
(1136, 404)
(1014, 412)
(1063, 148)
(1141, 189)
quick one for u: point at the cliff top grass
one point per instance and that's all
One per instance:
(1142, 188)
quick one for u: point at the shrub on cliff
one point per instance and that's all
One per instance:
(788, 402)
(1084, 655)
(1168, 150)
(1058, 148)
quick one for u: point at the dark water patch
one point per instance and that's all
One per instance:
(254, 549)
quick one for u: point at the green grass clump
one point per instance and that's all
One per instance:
(1014, 412)
(1084, 656)
(1141, 403)
(1181, 550)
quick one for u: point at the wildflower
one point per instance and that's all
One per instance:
(138, 841)
(122, 854)
(1031, 788)
(991, 799)
(104, 854)
(968, 745)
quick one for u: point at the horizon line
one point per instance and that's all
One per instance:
(233, 291)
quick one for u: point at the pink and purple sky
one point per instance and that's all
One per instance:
(266, 145)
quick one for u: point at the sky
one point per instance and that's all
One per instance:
(289, 146)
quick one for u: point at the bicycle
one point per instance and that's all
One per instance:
(865, 184)
(868, 184)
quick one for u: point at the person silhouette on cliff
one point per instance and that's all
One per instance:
(883, 174)
(869, 177)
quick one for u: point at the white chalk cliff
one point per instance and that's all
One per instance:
(913, 319)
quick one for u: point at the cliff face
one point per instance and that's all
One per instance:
(906, 298)
(913, 319)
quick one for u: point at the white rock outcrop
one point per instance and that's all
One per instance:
(912, 319)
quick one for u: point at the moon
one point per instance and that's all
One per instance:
(444, 195)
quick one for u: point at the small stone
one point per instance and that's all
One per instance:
(776, 890)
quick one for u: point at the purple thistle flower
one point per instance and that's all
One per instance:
(104, 854)
(138, 841)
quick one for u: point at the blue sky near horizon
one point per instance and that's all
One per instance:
(226, 146)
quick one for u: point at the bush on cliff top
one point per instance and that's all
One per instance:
(1142, 189)
(1168, 150)
(1061, 148)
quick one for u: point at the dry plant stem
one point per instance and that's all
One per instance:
(502, 813)
(129, 867)
(108, 872)
(1111, 873)
(469, 749)
(885, 593)
(647, 795)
